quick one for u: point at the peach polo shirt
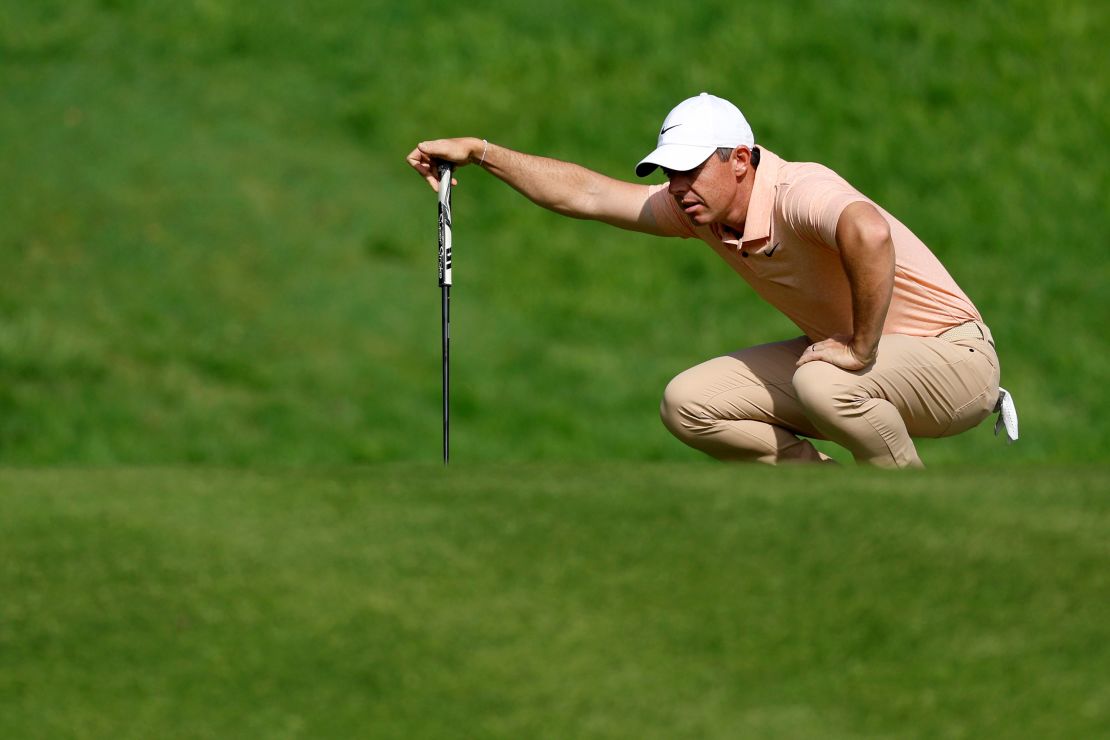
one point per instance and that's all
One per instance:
(788, 254)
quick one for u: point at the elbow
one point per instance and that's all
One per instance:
(881, 244)
(874, 233)
(572, 202)
(580, 203)
(878, 247)
(862, 229)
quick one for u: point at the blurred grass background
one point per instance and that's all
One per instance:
(212, 249)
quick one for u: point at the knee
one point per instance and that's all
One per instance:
(816, 387)
(681, 409)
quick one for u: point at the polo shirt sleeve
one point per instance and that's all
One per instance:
(668, 217)
(812, 203)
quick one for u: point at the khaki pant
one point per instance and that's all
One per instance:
(754, 405)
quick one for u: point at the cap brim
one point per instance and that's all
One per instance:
(677, 157)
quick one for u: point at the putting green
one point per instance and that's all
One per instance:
(599, 601)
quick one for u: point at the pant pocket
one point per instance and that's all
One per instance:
(981, 372)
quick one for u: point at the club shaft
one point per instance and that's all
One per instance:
(445, 300)
(445, 172)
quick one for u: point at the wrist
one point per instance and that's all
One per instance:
(864, 350)
(479, 151)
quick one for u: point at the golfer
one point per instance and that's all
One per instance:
(892, 348)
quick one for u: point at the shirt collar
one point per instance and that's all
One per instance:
(757, 223)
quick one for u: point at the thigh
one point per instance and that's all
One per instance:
(754, 383)
(939, 387)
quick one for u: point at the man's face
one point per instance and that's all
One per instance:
(707, 193)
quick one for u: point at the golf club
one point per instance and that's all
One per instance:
(445, 171)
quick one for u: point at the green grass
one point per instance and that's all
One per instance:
(213, 251)
(655, 600)
(218, 294)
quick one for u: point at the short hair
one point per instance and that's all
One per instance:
(725, 152)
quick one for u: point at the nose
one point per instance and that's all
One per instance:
(679, 185)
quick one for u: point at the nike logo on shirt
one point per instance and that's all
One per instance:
(771, 251)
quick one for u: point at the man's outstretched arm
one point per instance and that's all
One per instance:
(563, 187)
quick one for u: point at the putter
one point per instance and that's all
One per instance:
(445, 171)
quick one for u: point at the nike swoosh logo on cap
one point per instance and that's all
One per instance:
(665, 130)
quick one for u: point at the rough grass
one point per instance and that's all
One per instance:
(599, 601)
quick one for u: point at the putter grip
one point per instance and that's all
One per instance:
(445, 172)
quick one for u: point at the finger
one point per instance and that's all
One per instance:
(820, 352)
(446, 151)
(418, 161)
(426, 172)
(430, 178)
(434, 174)
(429, 149)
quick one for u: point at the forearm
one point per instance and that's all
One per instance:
(872, 284)
(566, 188)
(867, 253)
(559, 186)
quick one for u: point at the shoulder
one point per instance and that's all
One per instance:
(804, 183)
(804, 175)
(796, 182)
(786, 172)
(810, 198)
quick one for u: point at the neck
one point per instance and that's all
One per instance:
(737, 216)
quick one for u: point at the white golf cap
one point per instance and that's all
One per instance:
(693, 130)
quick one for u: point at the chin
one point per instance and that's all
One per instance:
(701, 219)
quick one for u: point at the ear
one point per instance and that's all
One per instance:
(741, 161)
